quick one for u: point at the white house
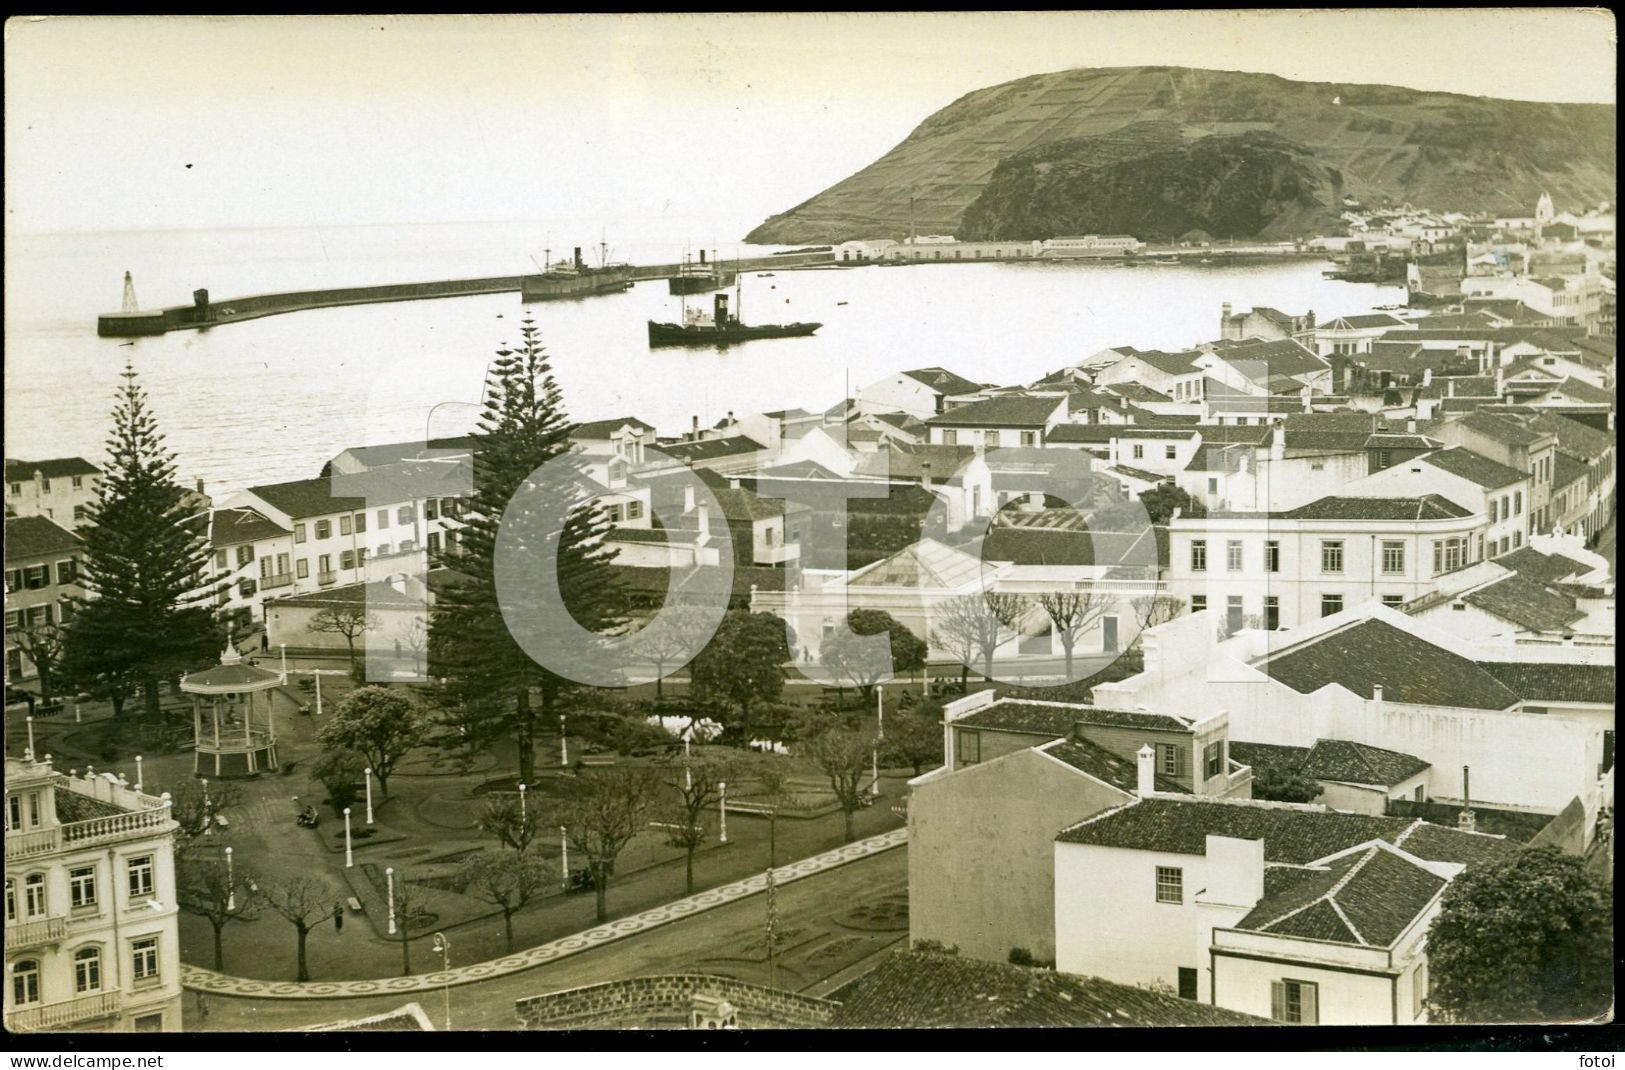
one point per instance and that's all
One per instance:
(59, 489)
(1483, 487)
(920, 392)
(999, 421)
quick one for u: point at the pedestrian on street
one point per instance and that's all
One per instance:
(338, 917)
(265, 642)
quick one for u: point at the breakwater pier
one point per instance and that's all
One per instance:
(205, 312)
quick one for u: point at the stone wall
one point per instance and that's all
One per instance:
(656, 1002)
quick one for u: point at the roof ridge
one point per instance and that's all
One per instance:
(1337, 908)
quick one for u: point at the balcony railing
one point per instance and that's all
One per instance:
(283, 580)
(35, 933)
(20, 845)
(66, 1013)
(115, 826)
(325, 578)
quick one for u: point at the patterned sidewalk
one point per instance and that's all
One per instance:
(201, 980)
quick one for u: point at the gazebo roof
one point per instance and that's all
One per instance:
(230, 676)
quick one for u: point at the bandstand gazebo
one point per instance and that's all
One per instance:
(232, 717)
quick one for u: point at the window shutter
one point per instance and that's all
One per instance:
(1309, 1000)
(1278, 1001)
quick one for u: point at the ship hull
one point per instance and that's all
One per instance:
(676, 334)
(699, 284)
(541, 288)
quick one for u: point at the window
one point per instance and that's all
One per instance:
(1139, 451)
(1419, 990)
(299, 533)
(1517, 503)
(634, 509)
(324, 529)
(361, 523)
(1393, 558)
(1330, 603)
(1212, 485)
(87, 969)
(14, 813)
(1232, 555)
(407, 546)
(324, 563)
(950, 437)
(38, 615)
(11, 900)
(1213, 759)
(1198, 603)
(1198, 555)
(434, 542)
(67, 571)
(144, 959)
(45, 485)
(141, 876)
(1170, 452)
(346, 560)
(1187, 983)
(247, 588)
(1331, 556)
(344, 524)
(82, 887)
(1171, 759)
(25, 982)
(405, 514)
(301, 568)
(1170, 885)
(36, 577)
(1517, 539)
(1029, 438)
(1272, 612)
(1233, 613)
(360, 557)
(16, 488)
(1295, 1001)
(1449, 554)
(265, 568)
(34, 895)
(1393, 601)
(431, 509)
(383, 519)
(220, 559)
(968, 746)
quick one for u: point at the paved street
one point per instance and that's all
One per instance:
(718, 941)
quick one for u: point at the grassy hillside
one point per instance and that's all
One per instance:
(1442, 150)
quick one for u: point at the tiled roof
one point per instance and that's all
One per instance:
(1028, 544)
(926, 565)
(711, 449)
(646, 535)
(1292, 835)
(943, 381)
(1374, 653)
(743, 505)
(36, 536)
(1254, 434)
(308, 497)
(1182, 363)
(1582, 391)
(54, 468)
(1394, 440)
(1473, 467)
(375, 594)
(1058, 718)
(1573, 437)
(1567, 471)
(1360, 323)
(396, 452)
(1525, 603)
(1542, 568)
(601, 429)
(1328, 430)
(1261, 360)
(1426, 507)
(908, 461)
(1261, 755)
(1137, 392)
(1000, 412)
(1358, 763)
(1140, 473)
(1503, 429)
(1107, 432)
(228, 527)
(1367, 898)
(236, 674)
(1543, 682)
(1106, 766)
(931, 990)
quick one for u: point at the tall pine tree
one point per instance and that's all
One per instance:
(145, 568)
(494, 689)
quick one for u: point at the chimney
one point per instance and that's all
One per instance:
(1147, 782)
(1306, 406)
(1427, 376)
(1235, 871)
(1465, 820)
(731, 420)
(1450, 388)
(694, 429)
(1278, 443)
(200, 484)
(1376, 697)
(688, 498)
(925, 474)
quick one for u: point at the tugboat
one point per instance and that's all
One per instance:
(720, 328)
(700, 278)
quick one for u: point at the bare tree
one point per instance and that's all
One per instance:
(414, 636)
(673, 639)
(507, 818)
(1071, 613)
(506, 881)
(605, 812)
(218, 894)
(979, 622)
(193, 805)
(1152, 610)
(42, 645)
(303, 902)
(348, 621)
(698, 782)
(844, 756)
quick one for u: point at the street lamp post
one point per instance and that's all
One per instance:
(442, 945)
(349, 856)
(564, 743)
(722, 806)
(30, 737)
(231, 885)
(874, 770)
(564, 855)
(522, 812)
(367, 772)
(389, 879)
(205, 782)
(318, 674)
(880, 709)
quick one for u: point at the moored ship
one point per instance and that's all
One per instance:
(720, 327)
(572, 279)
(699, 278)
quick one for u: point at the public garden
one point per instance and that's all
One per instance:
(430, 822)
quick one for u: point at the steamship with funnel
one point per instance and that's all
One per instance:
(720, 327)
(574, 278)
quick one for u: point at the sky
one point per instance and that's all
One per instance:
(134, 123)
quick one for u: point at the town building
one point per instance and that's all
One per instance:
(43, 579)
(61, 489)
(999, 421)
(1487, 489)
(92, 923)
(1090, 246)
(920, 392)
(1264, 322)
